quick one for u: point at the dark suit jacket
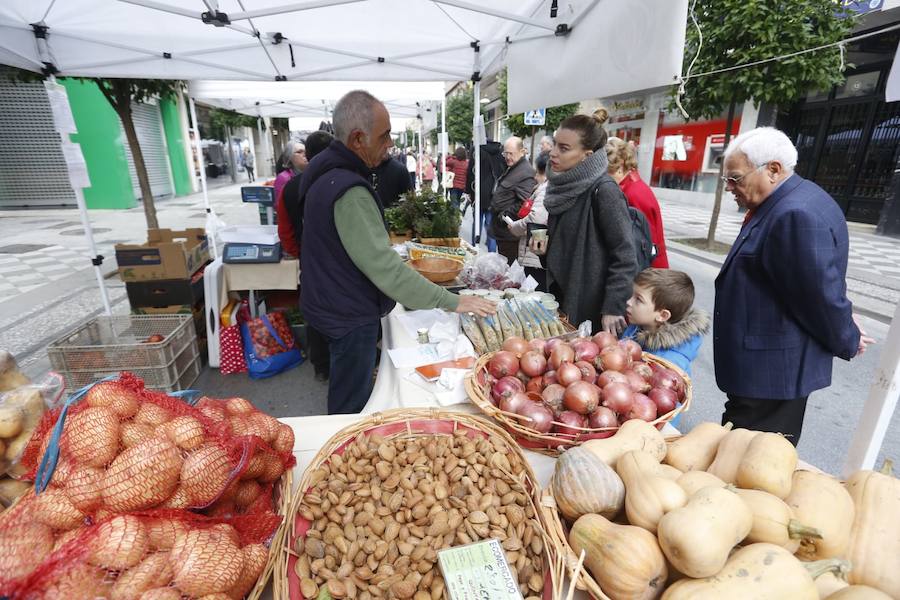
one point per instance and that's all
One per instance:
(782, 311)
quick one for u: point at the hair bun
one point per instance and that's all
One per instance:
(601, 115)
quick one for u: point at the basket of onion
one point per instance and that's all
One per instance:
(553, 394)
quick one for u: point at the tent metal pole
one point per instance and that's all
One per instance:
(496, 13)
(199, 150)
(876, 413)
(476, 185)
(184, 12)
(444, 144)
(279, 10)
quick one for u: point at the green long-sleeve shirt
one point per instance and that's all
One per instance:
(366, 241)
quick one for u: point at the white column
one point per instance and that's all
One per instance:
(880, 405)
(476, 97)
(199, 150)
(270, 145)
(262, 145)
(444, 144)
(421, 167)
(186, 134)
(653, 104)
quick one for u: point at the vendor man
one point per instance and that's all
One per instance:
(350, 276)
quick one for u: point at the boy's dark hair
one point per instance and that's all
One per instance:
(459, 153)
(669, 290)
(540, 164)
(316, 142)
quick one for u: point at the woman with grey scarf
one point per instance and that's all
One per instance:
(589, 250)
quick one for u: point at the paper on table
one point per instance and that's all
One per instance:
(416, 356)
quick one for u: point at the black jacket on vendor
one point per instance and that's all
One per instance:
(513, 188)
(336, 297)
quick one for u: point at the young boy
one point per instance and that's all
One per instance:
(662, 319)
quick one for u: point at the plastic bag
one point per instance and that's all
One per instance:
(269, 346)
(21, 410)
(488, 271)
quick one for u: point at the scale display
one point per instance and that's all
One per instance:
(237, 253)
(258, 194)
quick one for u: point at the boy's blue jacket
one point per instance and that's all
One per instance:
(678, 342)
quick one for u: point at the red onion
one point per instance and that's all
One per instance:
(582, 397)
(516, 345)
(514, 403)
(535, 397)
(485, 379)
(573, 420)
(602, 418)
(541, 417)
(613, 358)
(538, 344)
(550, 378)
(642, 407)
(506, 386)
(550, 345)
(588, 372)
(585, 350)
(607, 377)
(665, 378)
(642, 369)
(553, 397)
(533, 363)
(665, 400)
(604, 339)
(535, 384)
(568, 373)
(503, 363)
(679, 387)
(562, 353)
(618, 397)
(632, 348)
(637, 383)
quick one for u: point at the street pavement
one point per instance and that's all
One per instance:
(49, 290)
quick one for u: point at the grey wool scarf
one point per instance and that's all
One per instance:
(564, 188)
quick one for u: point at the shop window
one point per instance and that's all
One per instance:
(674, 148)
(861, 84)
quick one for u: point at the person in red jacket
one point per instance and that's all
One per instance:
(623, 169)
(458, 164)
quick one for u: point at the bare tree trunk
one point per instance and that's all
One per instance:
(720, 185)
(123, 108)
(232, 166)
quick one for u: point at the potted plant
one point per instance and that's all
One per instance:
(437, 223)
(399, 224)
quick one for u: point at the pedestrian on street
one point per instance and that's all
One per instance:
(350, 276)
(536, 217)
(249, 162)
(391, 181)
(546, 145)
(590, 257)
(781, 310)
(512, 189)
(411, 167)
(623, 169)
(458, 164)
(292, 162)
(492, 167)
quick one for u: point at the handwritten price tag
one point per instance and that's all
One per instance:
(478, 572)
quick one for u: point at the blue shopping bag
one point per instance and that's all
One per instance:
(267, 351)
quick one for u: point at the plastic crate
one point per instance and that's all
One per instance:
(107, 345)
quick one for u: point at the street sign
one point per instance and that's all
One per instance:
(537, 116)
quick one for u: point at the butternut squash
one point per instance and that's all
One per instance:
(730, 452)
(582, 484)
(755, 572)
(773, 521)
(623, 559)
(693, 481)
(697, 537)
(831, 582)
(634, 434)
(859, 592)
(768, 465)
(874, 546)
(648, 496)
(819, 500)
(669, 472)
(696, 450)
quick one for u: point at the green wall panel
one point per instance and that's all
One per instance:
(103, 145)
(176, 145)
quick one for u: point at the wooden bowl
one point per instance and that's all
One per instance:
(437, 270)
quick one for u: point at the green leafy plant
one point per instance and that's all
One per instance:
(737, 32)
(516, 123)
(397, 218)
(432, 215)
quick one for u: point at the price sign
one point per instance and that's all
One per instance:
(478, 571)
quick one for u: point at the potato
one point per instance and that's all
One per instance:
(11, 420)
(15, 446)
(11, 489)
(10, 376)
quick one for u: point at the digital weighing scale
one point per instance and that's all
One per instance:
(247, 253)
(264, 195)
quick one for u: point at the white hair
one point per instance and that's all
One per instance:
(764, 145)
(353, 111)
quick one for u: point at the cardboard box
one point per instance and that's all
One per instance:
(168, 254)
(164, 293)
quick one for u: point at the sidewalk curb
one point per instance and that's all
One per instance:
(714, 260)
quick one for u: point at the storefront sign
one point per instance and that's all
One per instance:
(629, 105)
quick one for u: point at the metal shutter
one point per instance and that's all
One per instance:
(32, 170)
(149, 129)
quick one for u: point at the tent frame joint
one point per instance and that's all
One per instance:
(562, 30)
(167, 55)
(476, 76)
(380, 59)
(97, 260)
(281, 78)
(277, 38)
(40, 31)
(216, 18)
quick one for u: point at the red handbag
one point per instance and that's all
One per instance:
(231, 351)
(526, 207)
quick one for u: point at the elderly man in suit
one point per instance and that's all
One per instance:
(781, 312)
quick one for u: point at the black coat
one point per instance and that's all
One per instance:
(513, 187)
(391, 180)
(492, 167)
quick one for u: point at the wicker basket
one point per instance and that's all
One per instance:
(284, 500)
(553, 443)
(396, 423)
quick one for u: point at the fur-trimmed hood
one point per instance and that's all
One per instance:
(670, 335)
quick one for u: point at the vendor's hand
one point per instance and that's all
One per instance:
(474, 304)
(614, 324)
(537, 246)
(864, 339)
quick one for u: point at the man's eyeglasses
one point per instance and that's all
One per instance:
(507, 154)
(737, 180)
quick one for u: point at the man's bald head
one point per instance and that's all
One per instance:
(513, 150)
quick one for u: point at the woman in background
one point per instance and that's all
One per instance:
(537, 216)
(291, 162)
